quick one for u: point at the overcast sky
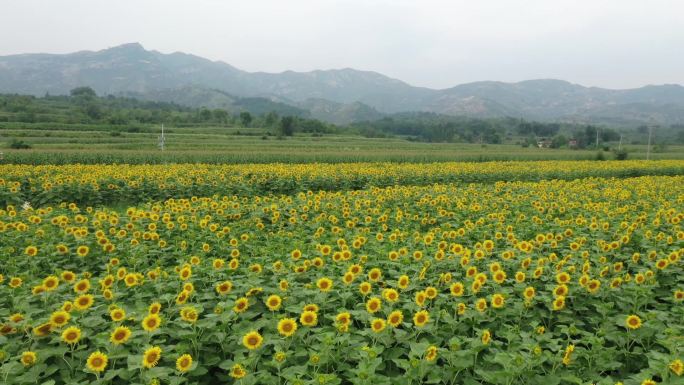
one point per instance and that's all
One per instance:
(432, 43)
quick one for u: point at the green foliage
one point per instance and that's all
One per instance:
(286, 126)
(83, 92)
(19, 144)
(621, 154)
(431, 127)
(559, 141)
(148, 246)
(245, 118)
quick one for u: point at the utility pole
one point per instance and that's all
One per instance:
(597, 136)
(162, 139)
(648, 149)
(620, 144)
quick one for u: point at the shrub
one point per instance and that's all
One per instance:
(620, 154)
(19, 144)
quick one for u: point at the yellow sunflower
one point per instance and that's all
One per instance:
(28, 358)
(559, 303)
(154, 308)
(42, 330)
(273, 302)
(224, 287)
(71, 335)
(486, 337)
(633, 322)
(237, 371)
(183, 363)
(241, 305)
(395, 318)
(677, 367)
(324, 284)
(82, 286)
(378, 325)
(481, 305)
(343, 318)
(151, 322)
(151, 357)
(287, 327)
(252, 340)
(120, 335)
(82, 251)
(421, 318)
(97, 362)
(59, 318)
(308, 318)
(51, 283)
(456, 289)
(117, 314)
(373, 305)
(31, 251)
(431, 353)
(498, 301)
(529, 293)
(84, 302)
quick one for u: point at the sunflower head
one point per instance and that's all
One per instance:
(151, 322)
(183, 363)
(633, 322)
(97, 362)
(151, 357)
(287, 327)
(28, 358)
(308, 318)
(421, 318)
(378, 325)
(59, 318)
(71, 335)
(273, 302)
(237, 371)
(120, 335)
(252, 340)
(395, 318)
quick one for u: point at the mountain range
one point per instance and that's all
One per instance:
(339, 96)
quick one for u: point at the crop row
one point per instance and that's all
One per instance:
(110, 184)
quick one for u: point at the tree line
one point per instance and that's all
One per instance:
(84, 106)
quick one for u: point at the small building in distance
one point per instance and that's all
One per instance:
(544, 143)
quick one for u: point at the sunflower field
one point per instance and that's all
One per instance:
(104, 184)
(520, 273)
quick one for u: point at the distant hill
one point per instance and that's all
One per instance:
(340, 96)
(195, 96)
(339, 113)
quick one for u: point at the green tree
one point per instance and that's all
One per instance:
(83, 92)
(287, 124)
(271, 119)
(205, 115)
(245, 118)
(220, 116)
(93, 111)
(559, 141)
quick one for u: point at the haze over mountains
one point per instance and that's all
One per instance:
(338, 96)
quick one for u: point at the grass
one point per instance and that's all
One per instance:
(93, 144)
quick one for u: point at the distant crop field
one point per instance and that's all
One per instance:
(98, 143)
(212, 145)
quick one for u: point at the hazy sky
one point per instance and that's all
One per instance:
(432, 43)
